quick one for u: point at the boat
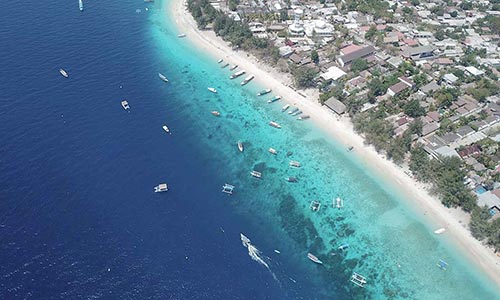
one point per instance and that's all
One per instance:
(228, 188)
(125, 105)
(63, 73)
(215, 113)
(244, 240)
(247, 80)
(162, 187)
(220, 60)
(294, 110)
(440, 230)
(343, 247)
(315, 205)
(181, 35)
(442, 264)
(284, 108)
(298, 112)
(240, 146)
(294, 164)
(263, 92)
(350, 148)
(224, 65)
(237, 74)
(277, 251)
(256, 174)
(273, 151)
(314, 258)
(358, 279)
(291, 179)
(166, 129)
(233, 67)
(213, 90)
(274, 124)
(338, 202)
(162, 77)
(274, 99)
(303, 117)
(80, 5)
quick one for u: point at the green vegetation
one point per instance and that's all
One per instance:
(359, 65)
(413, 109)
(314, 56)
(483, 89)
(304, 76)
(482, 228)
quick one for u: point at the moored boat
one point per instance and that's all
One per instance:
(291, 179)
(273, 151)
(440, 230)
(220, 60)
(228, 189)
(125, 105)
(263, 92)
(80, 5)
(274, 124)
(240, 146)
(64, 73)
(224, 65)
(274, 99)
(294, 110)
(167, 130)
(213, 90)
(315, 205)
(162, 187)
(162, 77)
(339, 203)
(215, 113)
(313, 258)
(233, 67)
(294, 163)
(247, 80)
(358, 279)
(297, 113)
(181, 35)
(237, 74)
(304, 117)
(284, 108)
(256, 174)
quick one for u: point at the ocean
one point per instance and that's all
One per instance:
(78, 215)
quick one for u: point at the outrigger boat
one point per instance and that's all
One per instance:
(162, 187)
(274, 124)
(343, 247)
(284, 108)
(213, 90)
(63, 73)
(440, 230)
(166, 129)
(220, 60)
(224, 65)
(181, 35)
(215, 113)
(240, 146)
(233, 67)
(314, 258)
(303, 117)
(272, 151)
(339, 203)
(256, 174)
(125, 105)
(358, 279)
(274, 99)
(294, 164)
(228, 188)
(247, 80)
(293, 111)
(442, 264)
(162, 77)
(315, 205)
(263, 92)
(291, 179)
(237, 74)
(297, 113)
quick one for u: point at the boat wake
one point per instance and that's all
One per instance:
(256, 255)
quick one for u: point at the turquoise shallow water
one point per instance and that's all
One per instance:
(388, 243)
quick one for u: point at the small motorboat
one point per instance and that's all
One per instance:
(166, 129)
(291, 179)
(162, 77)
(263, 92)
(284, 108)
(315, 206)
(273, 151)
(275, 124)
(125, 105)
(213, 90)
(181, 35)
(294, 164)
(162, 187)
(240, 146)
(64, 73)
(220, 60)
(233, 67)
(256, 174)
(314, 258)
(215, 113)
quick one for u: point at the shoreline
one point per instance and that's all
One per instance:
(341, 130)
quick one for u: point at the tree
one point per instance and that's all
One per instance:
(413, 109)
(370, 34)
(283, 15)
(440, 35)
(359, 65)
(314, 56)
(304, 77)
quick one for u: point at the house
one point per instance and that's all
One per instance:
(403, 84)
(430, 87)
(333, 73)
(450, 78)
(365, 52)
(336, 105)
(473, 71)
(419, 53)
(429, 128)
(490, 199)
(349, 49)
(469, 151)
(465, 131)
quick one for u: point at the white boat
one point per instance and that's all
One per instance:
(80, 5)
(240, 146)
(215, 113)
(125, 105)
(63, 73)
(293, 111)
(314, 258)
(303, 117)
(181, 35)
(284, 108)
(315, 205)
(343, 247)
(220, 60)
(358, 279)
(338, 202)
(277, 251)
(213, 90)
(162, 77)
(274, 124)
(294, 164)
(225, 65)
(162, 187)
(263, 92)
(440, 230)
(247, 80)
(228, 189)
(298, 112)
(274, 99)
(237, 74)
(273, 151)
(256, 174)
(233, 67)
(166, 129)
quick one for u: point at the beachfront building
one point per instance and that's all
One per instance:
(335, 105)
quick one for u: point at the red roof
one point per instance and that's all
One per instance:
(349, 49)
(410, 42)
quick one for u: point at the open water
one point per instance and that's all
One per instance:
(78, 216)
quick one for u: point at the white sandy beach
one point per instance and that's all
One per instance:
(341, 130)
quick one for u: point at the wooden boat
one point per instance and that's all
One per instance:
(181, 35)
(293, 111)
(263, 92)
(225, 65)
(314, 258)
(291, 179)
(247, 80)
(162, 187)
(228, 188)
(343, 247)
(233, 67)
(358, 279)
(274, 99)
(220, 60)
(294, 164)
(284, 108)
(274, 124)
(256, 174)
(303, 117)
(237, 74)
